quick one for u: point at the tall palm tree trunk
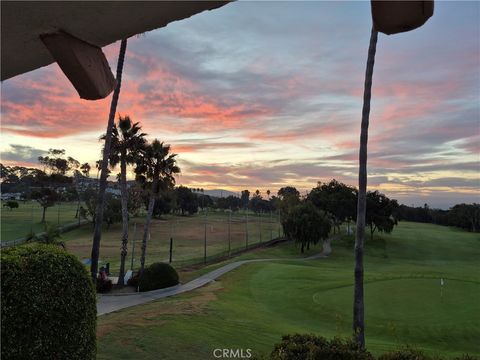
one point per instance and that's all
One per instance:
(358, 303)
(97, 234)
(146, 230)
(124, 199)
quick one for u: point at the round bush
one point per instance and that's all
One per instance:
(312, 347)
(48, 308)
(158, 276)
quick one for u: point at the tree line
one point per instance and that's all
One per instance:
(464, 216)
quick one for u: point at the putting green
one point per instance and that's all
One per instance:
(406, 300)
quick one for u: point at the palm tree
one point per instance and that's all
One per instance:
(98, 166)
(85, 168)
(358, 302)
(97, 234)
(127, 141)
(156, 168)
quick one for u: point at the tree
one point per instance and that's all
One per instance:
(289, 198)
(335, 198)
(156, 169)
(165, 203)
(380, 213)
(85, 168)
(245, 198)
(306, 225)
(466, 216)
(51, 236)
(135, 199)
(97, 233)
(358, 300)
(11, 204)
(127, 141)
(46, 197)
(187, 200)
(56, 162)
(288, 191)
(205, 201)
(230, 202)
(112, 210)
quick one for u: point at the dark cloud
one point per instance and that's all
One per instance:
(22, 154)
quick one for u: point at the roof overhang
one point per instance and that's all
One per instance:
(98, 23)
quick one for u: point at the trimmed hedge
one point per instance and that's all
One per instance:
(312, 347)
(48, 308)
(408, 353)
(158, 276)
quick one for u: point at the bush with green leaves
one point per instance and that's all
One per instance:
(48, 305)
(409, 353)
(406, 353)
(312, 347)
(11, 204)
(158, 276)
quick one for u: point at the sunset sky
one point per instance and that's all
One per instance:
(267, 94)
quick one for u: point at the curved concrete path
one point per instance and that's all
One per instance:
(110, 303)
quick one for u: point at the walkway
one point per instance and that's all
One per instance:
(110, 303)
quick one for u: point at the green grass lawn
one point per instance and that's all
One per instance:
(254, 305)
(18, 223)
(188, 238)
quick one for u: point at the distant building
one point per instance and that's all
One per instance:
(11, 196)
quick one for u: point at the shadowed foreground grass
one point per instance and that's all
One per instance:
(254, 305)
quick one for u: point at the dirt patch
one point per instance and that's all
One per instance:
(152, 313)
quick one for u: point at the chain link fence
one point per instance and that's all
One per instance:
(182, 240)
(17, 224)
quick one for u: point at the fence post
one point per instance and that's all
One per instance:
(31, 219)
(171, 245)
(260, 225)
(229, 237)
(279, 223)
(271, 226)
(133, 244)
(246, 231)
(205, 239)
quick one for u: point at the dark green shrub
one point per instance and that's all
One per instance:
(104, 286)
(406, 353)
(134, 280)
(48, 308)
(158, 276)
(312, 347)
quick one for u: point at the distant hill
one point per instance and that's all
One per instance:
(220, 193)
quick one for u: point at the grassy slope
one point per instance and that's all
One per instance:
(17, 223)
(252, 306)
